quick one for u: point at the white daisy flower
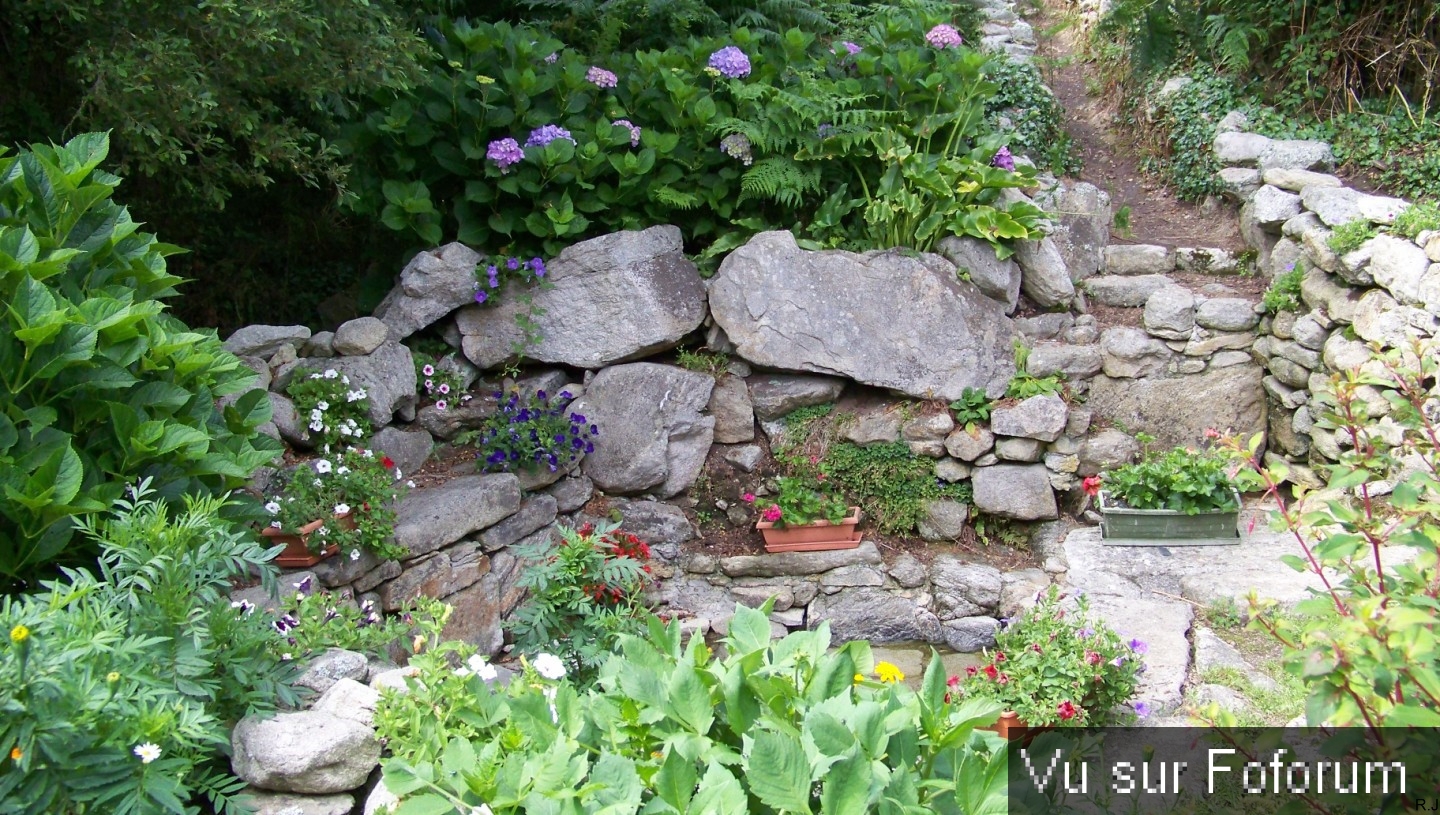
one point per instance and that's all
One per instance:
(148, 752)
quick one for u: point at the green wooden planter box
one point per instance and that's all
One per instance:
(1215, 526)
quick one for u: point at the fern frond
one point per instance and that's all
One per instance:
(668, 196)
(780, 179)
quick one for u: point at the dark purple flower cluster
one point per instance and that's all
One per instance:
(543, 135)
(504, 152)
(490, 277)
(1003, 160)
(534, 433)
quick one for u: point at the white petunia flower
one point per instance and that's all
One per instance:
(367, 453)
(483, 668)
(344, 380)
(342, 508)
(274, 524)
(410, 484)
(319, 483)
(323, 466)
(317, 426)
(273, 507)
(148, 752)
(549, 666)
(317, 415)
(354, 554)
(322, 405)
(331, 373)
(285, 657)
(342, 470)
(428, 370)
(483, 809)
(344, 429)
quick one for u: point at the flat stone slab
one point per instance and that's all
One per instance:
(791, 564)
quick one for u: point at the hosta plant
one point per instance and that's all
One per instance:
(792, 726)
(99, 386)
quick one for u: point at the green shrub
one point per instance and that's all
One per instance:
(583, 593)
(1182, 479)
(703, 362)
(790, 726)
(503, 148)
(1185, 132)
(971, 408)
(1284, 291)
(1024, 385)
(1364, 642)
(1036, 120)
(1417, 218)
(119, 691)
(1349, 236)
(100, 386)
(891, 483)
(313, 620)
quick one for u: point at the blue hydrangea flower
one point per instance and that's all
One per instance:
(543, 135)
(731, 62)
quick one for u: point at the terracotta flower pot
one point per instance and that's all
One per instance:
(1012, 728)
(297, 554)
(816, 536)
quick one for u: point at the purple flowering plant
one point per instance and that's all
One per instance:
(311, 619)
(1056, 664)
(730, 62)
(601, 78)
(438, 379)
(537, 432)
(943, 36)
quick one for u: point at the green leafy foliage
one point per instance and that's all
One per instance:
(147, 653)
(354, 491)
(811, 135)
(1025, 109)
(1185, 131)
(1363, 644)
(702, 361)
(100, 386)
(801, 500)
(1284, 291)
(891, 483)
(971, 408)
(1348, 237)
(1059, 665)
(583, 593)
(773, 727)
(1024, 385)
(1183, 480)
(314, 620)
(1417, 218)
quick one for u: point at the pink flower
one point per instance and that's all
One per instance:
(1067, 710)
(771, 514)
(601, 78)
(748, 498)
(1091, 485)
(943, 36)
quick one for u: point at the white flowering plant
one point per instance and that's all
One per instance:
(334, 410)
(355, 493)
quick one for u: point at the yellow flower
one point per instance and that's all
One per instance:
(19, 634)
(859, 678)
(886, 672)
(16, 754)
(712, 71)
(113, 676)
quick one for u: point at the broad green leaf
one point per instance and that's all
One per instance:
(719, 794)
(426, 803)
(621, 790)
(749, 629)
(846, 790)
(689, 699)
(777, 771)
(675, 782)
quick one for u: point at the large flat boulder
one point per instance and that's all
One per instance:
(1178, 410)
(614, 298)
(876, 615)
(652, 436)
(304, 751)
(881, 318)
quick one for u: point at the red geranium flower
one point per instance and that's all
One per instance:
(1091, 485)
(953, 681)
(991, 672)
(387, 462)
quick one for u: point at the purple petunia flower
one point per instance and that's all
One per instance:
(634, 131)
(504, 152)
(1141, 709)
(851, 48)
(481, 297)
(601, 78)
(1085, 633)
(1138, 647)
(943, 36)
(541, 136)
(1003, 160)
(537, 267)
(731, 62)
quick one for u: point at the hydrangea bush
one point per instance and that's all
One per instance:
(787, 726)
(742, 134)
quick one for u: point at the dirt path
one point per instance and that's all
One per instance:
(1111, 159)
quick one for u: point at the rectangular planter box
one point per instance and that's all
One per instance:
(1213, 527)
(817, 536)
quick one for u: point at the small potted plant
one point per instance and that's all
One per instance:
(337, 503)
(1057, 666)
(806, 516)
(1181, 494)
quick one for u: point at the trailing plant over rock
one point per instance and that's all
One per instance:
(101, 387)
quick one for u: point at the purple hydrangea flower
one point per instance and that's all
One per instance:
(554, 55)
(541, 136)
(601, 78)
(504, 152)
(731, 62)
(851, 48)
(1003, 160)
(943, 36)
(634, 131)
(737, 145)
